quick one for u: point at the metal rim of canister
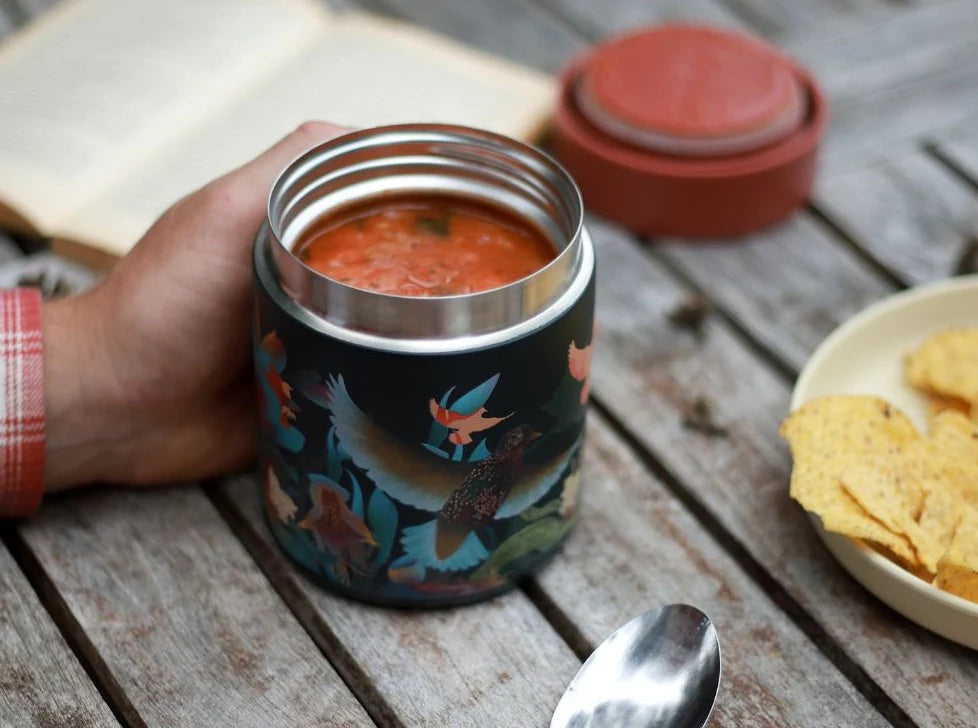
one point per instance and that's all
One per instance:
(424, 158)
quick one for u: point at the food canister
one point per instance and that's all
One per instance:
(422, 451)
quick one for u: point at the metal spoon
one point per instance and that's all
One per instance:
(662, 669)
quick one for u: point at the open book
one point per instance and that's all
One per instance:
(110, 110)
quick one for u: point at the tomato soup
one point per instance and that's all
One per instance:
(425, 246)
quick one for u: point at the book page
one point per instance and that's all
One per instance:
(363, 71)
(99, 84)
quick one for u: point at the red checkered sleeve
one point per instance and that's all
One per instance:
(21, 402)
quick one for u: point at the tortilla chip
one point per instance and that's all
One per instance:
(947, 364)
(851, 520)
(878, 488)
(889, 494)
(953, 447)
(830, 435)
(939, 520)
(957, 571)
(937, 403)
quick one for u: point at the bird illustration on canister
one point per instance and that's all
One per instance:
(461, 424)
(462, 495)
(338, 530)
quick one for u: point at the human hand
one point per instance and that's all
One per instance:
(147, 376)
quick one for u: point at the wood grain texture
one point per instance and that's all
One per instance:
(908, 211)
(812, 281)
(613, 16)
(517, 29)
(493, 664)
(788, 286)
(784, 19)
(899, 77)
(7, 21)
(961, 147)
(181, 617)
(42, 685)
(636, 548)
(647, 373)
(33, 8)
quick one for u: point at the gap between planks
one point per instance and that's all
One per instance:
(15, 15)
(531, 589)
(968, 259)
(766, 582)
(859, 677)
(329, 644)
(72, 632)
(950, 164)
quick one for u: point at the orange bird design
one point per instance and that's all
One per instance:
(339, 530)
(579, 364)
(463, 425)
(272, 346)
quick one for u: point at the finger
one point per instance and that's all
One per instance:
(264, 168)
(247, 187)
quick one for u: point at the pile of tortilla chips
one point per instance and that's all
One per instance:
(862, 467)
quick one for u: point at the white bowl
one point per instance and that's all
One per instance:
(865, 355)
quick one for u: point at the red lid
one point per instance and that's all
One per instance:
(689, 130)
(686, 89)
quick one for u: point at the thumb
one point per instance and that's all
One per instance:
(247, 187)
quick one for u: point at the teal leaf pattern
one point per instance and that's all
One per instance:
(437, 451)
(357, 504)
(316, 479)
(382, 519)
(480, 452)
(475, 397)
(537, 536)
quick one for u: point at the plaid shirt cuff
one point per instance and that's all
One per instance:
(21, 403)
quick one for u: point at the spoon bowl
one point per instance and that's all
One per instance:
(661, 669)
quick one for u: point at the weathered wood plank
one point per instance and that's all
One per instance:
(898, 78)
(636, 548)
(908, 211)
(810, 283)
(783, 19)
(41, 683)
(493, 664)
(518, 29)
(614, 16)
(892, 72)
(648, 374)
(819, 281)
(961, 147)
(7, 24)
(182, 619)
(33, 8)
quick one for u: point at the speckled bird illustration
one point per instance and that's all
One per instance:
(463, 495)
(463, 425)
(339, 530)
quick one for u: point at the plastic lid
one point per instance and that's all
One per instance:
(690, 131)
(691, 90)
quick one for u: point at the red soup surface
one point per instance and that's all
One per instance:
(425, 246)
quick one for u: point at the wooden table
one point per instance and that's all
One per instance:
(173, 608)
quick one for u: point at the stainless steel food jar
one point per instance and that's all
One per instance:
(422, 451)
